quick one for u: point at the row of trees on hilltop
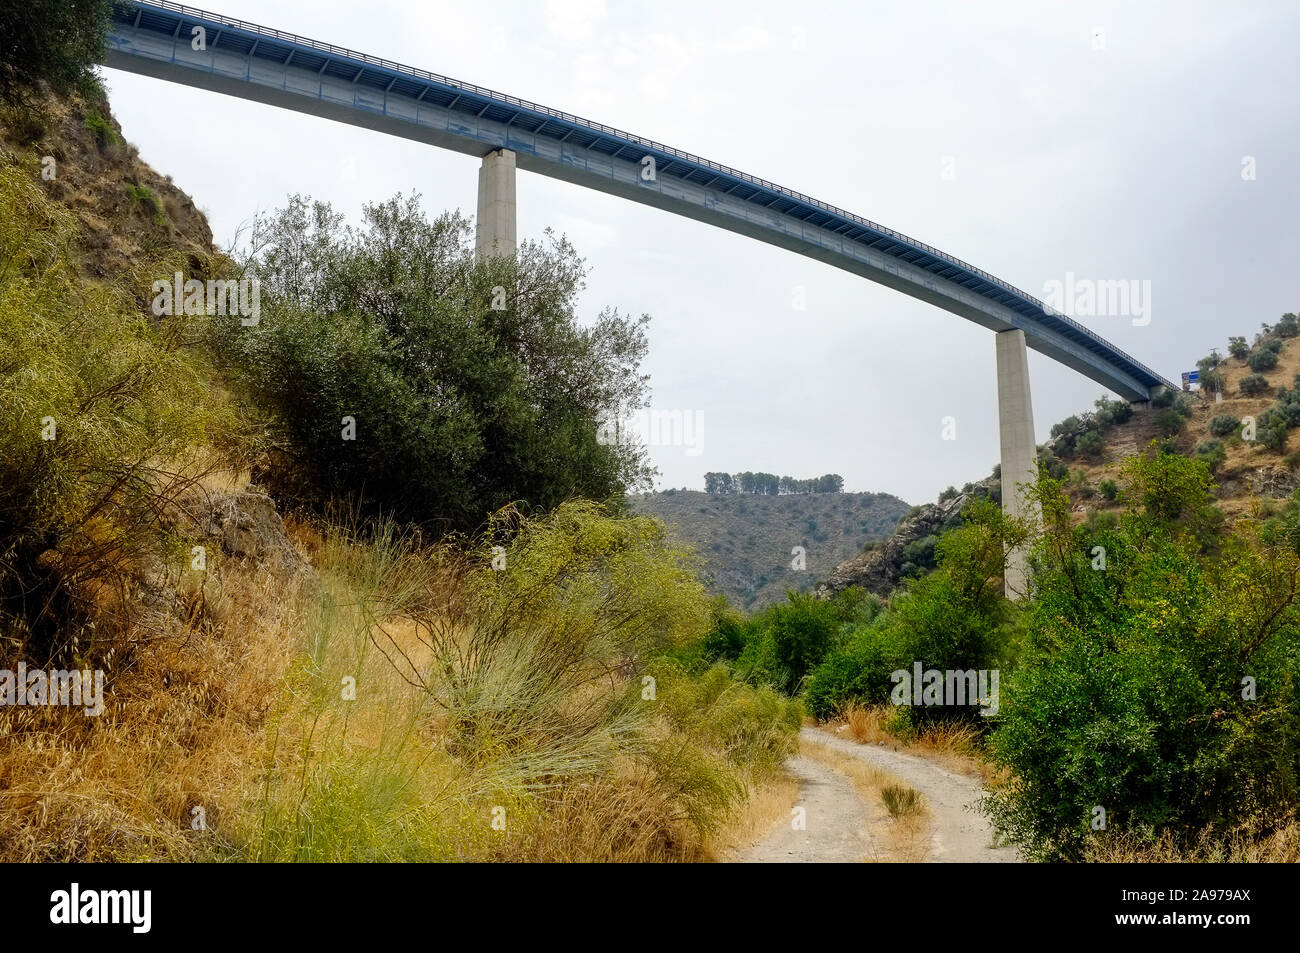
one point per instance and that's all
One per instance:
(769, 484)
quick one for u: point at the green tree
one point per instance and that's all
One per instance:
(1262, 359)
(57, 42)
(425, 383)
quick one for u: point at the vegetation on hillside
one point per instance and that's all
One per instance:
(746, 541)
(424, 675)
(52, 44)
(721, 484)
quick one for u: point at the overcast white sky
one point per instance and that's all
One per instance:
(1123, 162)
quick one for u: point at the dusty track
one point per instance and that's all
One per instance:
(837, 828)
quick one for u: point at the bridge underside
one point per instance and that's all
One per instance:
(278, 69)
(366, 92)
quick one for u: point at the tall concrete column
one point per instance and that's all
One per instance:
(1019, 452)
(494, 229)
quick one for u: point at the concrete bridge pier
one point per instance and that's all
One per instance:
(1019, 452)
(494, 228)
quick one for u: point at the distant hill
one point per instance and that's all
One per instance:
(746, 539)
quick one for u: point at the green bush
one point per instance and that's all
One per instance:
(147, 199)
(1171, 421)
(1109, 489)
(1288, 325)
(1212, 452)
(919, 556)
(105, 135)
(423, 383)
(1130, 694)
(1253, 384)
(1090, 444)
(792, 637)
(1262, 359)
(1224, 424)
(57, 42)
(954, 618)
(1238, 348)
(1271, 430)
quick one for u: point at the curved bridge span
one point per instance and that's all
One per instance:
(209, 51)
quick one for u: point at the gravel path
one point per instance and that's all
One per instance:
(836, 822)
(961, 833)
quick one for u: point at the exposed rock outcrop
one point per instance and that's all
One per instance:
(249, 527)
(879, 568)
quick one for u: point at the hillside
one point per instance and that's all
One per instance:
(1210, 424)
(746, 539)
(127, 213)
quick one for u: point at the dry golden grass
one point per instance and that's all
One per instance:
(765, 808)
(952, 745)
(905, 838)
(180, 730)
(1281, 847)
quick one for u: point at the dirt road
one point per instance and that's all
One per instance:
(835, 822)
(837, 818)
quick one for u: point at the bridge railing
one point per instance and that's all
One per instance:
(546, 111)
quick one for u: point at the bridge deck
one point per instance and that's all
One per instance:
(256, 62)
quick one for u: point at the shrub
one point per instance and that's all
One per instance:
(1165, 397)
(1109, 489)
(1262, 359)
(1288, 325)
(793, 636)
(1171, 421)
(900, 801)
(1224, 424)
(456, 407)
(954, 618)
(1130, 694)
(919, 555)
(1253, 384)
(1271, 430)
(1238, 348)
(102, 417)
(147, 199)
(1090, 444)
(1048, 461)
(104, 133)
(1212, 452)
(57, 42)
(1288, 405)
(1111, 412)
(26, 122)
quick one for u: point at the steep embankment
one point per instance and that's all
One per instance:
(128, 213)
(746, 539)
